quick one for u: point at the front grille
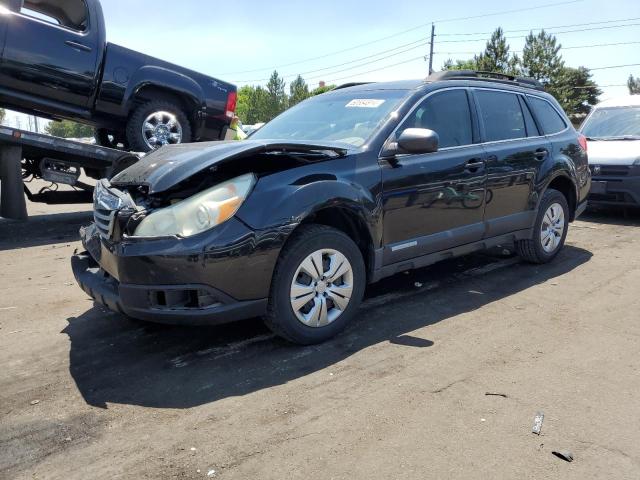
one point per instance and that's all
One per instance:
(610, 170)
(102, 218)
(107, 201)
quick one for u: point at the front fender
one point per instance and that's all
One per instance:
(272, 205)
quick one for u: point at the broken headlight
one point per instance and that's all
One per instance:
(200, 212)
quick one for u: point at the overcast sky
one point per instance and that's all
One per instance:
(223, 39)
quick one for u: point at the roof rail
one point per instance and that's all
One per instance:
(352, 84)
(485, 76)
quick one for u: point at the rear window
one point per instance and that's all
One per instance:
(548, 118)
(70, 14)
(502, 116)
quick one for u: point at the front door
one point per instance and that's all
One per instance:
(515, 152)
(51, 52)
(435, 201)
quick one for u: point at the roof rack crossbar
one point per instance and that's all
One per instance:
(485, 76)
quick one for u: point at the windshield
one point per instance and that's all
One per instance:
(613, 123)
(348, 117)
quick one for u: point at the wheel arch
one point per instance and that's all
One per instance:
(563, 183)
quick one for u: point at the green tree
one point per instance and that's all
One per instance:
(574, 89)
(277, 100)
(298, 91)
(634, 85)
(495, 58)
(69, 129)
(252, 104)
(323, 89)
(541, 58)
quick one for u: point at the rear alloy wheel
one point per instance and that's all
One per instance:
(155, 124)
(317, 286)
(550, 229)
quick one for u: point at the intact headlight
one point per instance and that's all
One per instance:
(200, 212)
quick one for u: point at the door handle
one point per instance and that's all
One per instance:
(541, 154)
(474, 165)
(77, 46)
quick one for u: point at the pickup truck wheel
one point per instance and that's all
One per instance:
(549, 231)
(155, 124)
(317, 286)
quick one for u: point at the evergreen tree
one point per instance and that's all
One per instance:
(634, 85)
(541, 58)
(299, 91)
(277, 101)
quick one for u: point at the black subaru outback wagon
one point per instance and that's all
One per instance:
(339, 191)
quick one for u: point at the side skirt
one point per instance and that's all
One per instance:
(381, 272)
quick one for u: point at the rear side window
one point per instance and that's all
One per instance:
(501, 114)
(448, 114)
(70, 14)
(548, 118)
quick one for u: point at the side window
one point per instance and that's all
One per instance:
(71, 14)
(548, 118)
(532, 129)
(501, 115)
(447, 113)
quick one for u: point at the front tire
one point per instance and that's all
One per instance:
(317, 286)
(550, 229)
(157, 123)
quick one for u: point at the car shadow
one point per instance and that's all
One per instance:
(117, 360)
(42, 230)
(629, 217)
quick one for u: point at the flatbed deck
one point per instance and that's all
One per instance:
(24, 154)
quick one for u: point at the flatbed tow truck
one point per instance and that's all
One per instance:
(26, 155)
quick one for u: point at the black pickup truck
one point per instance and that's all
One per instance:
(56, 63)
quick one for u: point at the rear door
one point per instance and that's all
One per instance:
(435, 201)
(51, 51)
(515, 150)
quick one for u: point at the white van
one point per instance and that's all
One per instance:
(613, 137)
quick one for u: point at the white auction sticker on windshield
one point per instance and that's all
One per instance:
(364, 103)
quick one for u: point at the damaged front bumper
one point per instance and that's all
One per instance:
(213, 279)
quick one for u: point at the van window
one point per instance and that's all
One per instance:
(70, 14)
(548, 118)
(447, 113)
(501, 114)
(613, 122)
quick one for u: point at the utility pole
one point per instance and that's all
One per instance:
(433, 34)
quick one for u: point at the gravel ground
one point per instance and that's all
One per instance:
(85, 393)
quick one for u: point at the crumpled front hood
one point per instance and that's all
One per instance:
(613, 152)
(171, 164)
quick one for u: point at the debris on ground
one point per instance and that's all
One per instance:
(211, 473)
(537, 423)
(34, 402)
(417, 285)
(565, 455)
(491, 394)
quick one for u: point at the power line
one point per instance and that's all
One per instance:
(417, 44)
(338, 52)
(616, 66)
(421, 57)
(540, 28)
(563, 48)
(484, 39)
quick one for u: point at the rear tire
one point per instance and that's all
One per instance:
(157, 123)
(549, 231)
(333, 295)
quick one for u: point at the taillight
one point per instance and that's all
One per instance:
(582, 140)
(232, 99)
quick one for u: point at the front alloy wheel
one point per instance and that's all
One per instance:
(322, 287)
(317, 285)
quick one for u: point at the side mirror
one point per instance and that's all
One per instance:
(418, 140)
